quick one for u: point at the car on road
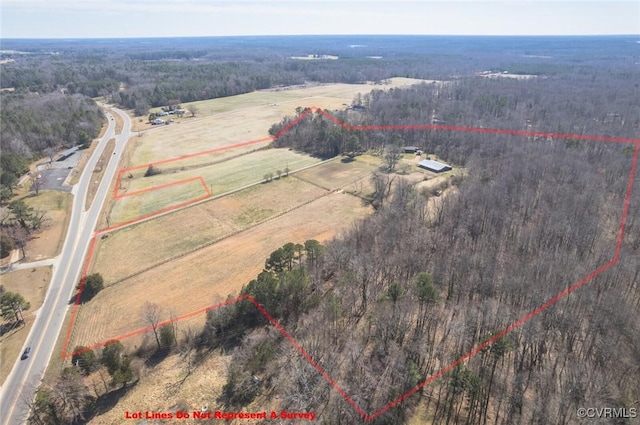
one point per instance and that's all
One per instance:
(25, 354)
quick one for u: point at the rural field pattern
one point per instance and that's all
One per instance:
(164, 183)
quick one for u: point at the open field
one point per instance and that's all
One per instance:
(142, 204)
(336, 174)
(32, 284)
(228, 120)
(48, 242)
(224, 176)
(222, 269)
(135, 248)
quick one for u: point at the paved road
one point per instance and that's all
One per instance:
(26, 374)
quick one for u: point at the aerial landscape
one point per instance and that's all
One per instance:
(335, 223)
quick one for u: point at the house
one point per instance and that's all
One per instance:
(410, 149)
(434, 166)
(162, 114)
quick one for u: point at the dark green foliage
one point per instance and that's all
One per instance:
(152, 171)
(12, 166)
(12, 305)
(112, 354)
(167, 336)
(93, 284)
(85, 360)
(25, 216)
(6, 245)
(425, 291)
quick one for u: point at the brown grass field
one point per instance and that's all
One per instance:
(229, 120)
(48, 242)
(226, 175)
(142, 204)
(222, 269)
(32, 284)
(134, 248)
(336, 174)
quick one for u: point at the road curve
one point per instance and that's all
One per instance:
(18, 390)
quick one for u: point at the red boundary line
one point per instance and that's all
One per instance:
(307, 356)
(116, 195)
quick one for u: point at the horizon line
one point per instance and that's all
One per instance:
(5, 38)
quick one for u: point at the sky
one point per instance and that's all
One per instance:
(175, 18)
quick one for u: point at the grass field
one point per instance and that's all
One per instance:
(142, 204)
(132, 249)
(222, 269)
(336, 174)
(227, 175)
(48, 242)
(231, 256)
(32, 284)
(228, 120)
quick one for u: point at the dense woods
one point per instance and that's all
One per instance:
(419, 284)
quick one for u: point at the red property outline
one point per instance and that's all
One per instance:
(367, 417)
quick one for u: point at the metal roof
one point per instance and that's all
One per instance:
(69, 152)
(433, 165)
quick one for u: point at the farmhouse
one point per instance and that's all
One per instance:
(435, 166)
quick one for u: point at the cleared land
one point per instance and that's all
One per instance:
(226, 175)
(144, 251)
(224, 121)
(32, 284)
(153, 242)
(336, 174)
(222, 269)
(48, 242)
(142, 204)
(219, 178)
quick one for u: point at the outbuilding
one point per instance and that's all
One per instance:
(410, 149)
(434, 166)
(66, 154)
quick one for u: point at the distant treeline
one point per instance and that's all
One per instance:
(569, 105)
(139, 74)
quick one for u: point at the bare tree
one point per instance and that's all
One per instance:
(151, 315)
(193, 109)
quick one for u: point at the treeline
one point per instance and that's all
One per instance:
(563, 105)
(422, 282)
(416, 286)
(35, 125)
(149, 74)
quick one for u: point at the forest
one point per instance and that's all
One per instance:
(413, 288)
(418, 284)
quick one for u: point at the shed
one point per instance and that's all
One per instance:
(66, 154)
(410, 149)
(435, 166)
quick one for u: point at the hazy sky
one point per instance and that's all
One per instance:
(157, 18)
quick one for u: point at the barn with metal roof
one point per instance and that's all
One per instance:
(434, 166)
